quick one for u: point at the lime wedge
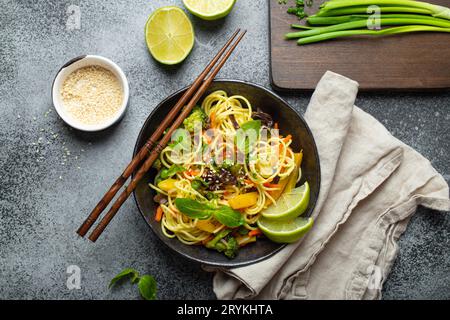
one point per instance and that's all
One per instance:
(290, 205)
(169, 35)
(209, 9)
(281, 231)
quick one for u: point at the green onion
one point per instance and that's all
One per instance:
(300, 26)
(315, 20)
(363, 23)
(346, 33)
(342, 18)
(363, 9)
(435, 10)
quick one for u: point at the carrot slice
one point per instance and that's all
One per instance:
(212, 118)
(248, 181)
(271, 185)
(159, 214)
(287, 139)
(254, 233)
(193, 172)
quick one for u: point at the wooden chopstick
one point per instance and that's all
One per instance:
(144, 151)
(159, 146)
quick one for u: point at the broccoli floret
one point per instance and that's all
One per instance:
(197, 116)
(232, 248)
(198, 183)
(157, 164)
(227, 164)
(212, 244)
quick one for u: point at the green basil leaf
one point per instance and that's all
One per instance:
(181, 137)
(229, 217)
(173, 170)
(147, 287)
(252, 125)
(193, 208)
(124, 274)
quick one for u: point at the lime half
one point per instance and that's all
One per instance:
(209, 9)
(290, 205)
(169, 35)
(285, 231)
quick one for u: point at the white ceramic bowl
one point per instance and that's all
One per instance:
(75, 64)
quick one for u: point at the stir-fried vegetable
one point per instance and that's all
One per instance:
(197, 116)
(243, 200)
(224, 242)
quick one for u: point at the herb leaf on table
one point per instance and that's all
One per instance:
(147, 287)
(146, 283)
(126, 273)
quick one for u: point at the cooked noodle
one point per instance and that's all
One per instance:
(223, 112)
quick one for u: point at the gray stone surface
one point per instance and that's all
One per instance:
(45, 193)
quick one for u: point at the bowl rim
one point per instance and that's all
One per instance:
(112, 66)
(229, 264)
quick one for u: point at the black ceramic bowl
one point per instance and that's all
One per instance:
(290, 122)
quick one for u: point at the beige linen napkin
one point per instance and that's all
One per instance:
(371, 185)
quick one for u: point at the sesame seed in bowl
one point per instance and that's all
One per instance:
(90, 93)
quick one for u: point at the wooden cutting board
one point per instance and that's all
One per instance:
(413, 62)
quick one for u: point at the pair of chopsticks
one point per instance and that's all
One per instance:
(157, 142)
